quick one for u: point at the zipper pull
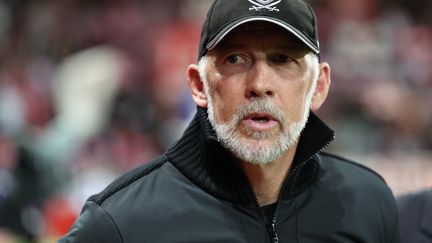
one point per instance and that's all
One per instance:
(272, 232)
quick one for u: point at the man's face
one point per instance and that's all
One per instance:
(259, 84)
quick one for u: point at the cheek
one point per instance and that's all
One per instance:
(226, 99)
(293, 101)
(224, 105)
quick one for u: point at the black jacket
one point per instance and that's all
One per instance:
(195, 192)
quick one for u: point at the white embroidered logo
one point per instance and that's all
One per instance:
(264, 4)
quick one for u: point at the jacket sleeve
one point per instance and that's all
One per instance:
(94, 225)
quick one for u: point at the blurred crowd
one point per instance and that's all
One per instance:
(381, 54)
(91, 89)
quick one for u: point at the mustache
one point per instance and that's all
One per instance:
(260, 106)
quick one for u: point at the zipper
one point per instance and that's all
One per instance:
(271, 227)
(274, 238)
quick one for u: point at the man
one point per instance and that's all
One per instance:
(250, 166)
(415, 212)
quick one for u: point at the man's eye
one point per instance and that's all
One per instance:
(234, 59)
(281, 58)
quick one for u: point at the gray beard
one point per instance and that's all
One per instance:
(260, 147)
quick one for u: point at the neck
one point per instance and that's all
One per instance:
(267, 179)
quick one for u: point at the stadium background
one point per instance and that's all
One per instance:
(91, 89)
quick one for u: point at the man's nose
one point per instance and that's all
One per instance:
(259, 83)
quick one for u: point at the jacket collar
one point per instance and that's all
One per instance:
(203, 160)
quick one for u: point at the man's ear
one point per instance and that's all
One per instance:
(322, 87)
(196, 86)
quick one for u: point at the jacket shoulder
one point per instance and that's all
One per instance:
(348, 164)
(364, 195)
(127, 179)
(93, 226)
(349, 175)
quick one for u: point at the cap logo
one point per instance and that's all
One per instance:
(264, 4)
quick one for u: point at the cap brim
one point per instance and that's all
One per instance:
(225, 31)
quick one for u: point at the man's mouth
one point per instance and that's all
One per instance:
(260, 117)
(260, 121)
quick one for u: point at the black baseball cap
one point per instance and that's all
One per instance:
(296, 16)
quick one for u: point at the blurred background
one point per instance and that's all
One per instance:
(91, 89)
